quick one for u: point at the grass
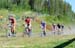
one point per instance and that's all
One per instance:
(35, 42)
(72, 45)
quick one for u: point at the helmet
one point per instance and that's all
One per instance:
(43, 21)
(11, 15)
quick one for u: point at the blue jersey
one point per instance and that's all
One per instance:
(43, 24)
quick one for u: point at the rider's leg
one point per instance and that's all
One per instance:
(13, 31)
(25, 30)
(44, 32)
(29, 30)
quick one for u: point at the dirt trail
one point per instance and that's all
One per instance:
(70, 30)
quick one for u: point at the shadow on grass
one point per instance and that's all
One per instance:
(65, 43)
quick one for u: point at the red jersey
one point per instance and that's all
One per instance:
(27, 21)
(12, 20)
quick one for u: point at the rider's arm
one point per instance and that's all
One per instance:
(15, 22)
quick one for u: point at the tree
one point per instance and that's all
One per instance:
(31, 4)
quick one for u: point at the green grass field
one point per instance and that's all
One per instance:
(35, 42)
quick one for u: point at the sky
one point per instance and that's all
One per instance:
(72, 2)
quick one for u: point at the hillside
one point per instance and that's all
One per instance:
(54, 10)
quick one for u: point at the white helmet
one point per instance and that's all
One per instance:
(11, 15)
